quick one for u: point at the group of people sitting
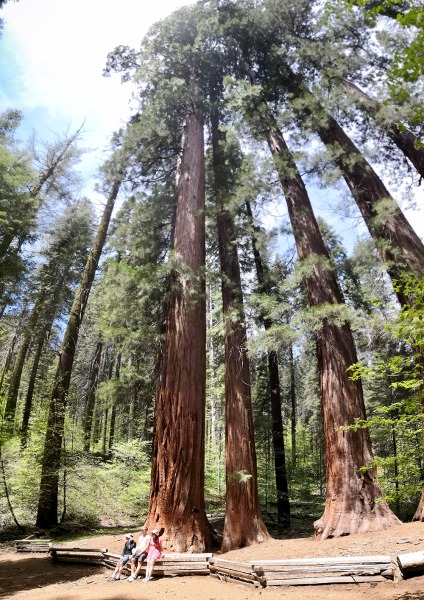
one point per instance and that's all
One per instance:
(148, 548)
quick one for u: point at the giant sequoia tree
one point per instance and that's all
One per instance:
(354, 500)
(177, 494)
(243, 523)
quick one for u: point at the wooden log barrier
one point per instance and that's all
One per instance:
(412, 562)
(228, 570)
(31, 544)
(82, 556)
(315, 571)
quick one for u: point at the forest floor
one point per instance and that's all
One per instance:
(34, 577)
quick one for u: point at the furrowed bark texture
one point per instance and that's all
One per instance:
(177, 484)
(243, 523)
(281, 483)
(397, 243)
(404, 139)
(351, 495)
(49, 485)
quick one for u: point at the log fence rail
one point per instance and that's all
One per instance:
(260, 573)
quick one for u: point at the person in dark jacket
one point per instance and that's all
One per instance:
(125, 556)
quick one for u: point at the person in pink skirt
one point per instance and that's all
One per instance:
(155, 552)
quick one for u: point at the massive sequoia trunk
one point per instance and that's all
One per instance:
(399, 246)
(177, 483)
(404, 139)
(243, 523)
(281, 483)
(49, 485)
(354, 502)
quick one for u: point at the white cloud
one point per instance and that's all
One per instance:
(60, 51)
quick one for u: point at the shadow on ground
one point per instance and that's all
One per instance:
(411, 596)
(35, 572)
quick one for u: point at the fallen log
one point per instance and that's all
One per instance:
(413, 561)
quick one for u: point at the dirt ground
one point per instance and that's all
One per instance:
(34, 577)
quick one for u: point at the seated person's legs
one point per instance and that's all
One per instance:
(140, 559)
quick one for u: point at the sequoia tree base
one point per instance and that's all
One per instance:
(362, 516)
(419, 513)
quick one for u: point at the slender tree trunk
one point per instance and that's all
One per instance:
(15, 377)
(113, 409)
(281, 483)
(177, 485)
(55, 159)
(8, 360)
(404, 139)
(46, 302)
(293, 403)
(93, 382)
(49, 486)
(31, 387)
(354, 501)
(105, 417)
(399, 246)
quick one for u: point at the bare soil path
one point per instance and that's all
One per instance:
(34, 577)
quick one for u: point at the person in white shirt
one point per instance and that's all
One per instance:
(139, 553)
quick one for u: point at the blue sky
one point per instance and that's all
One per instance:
(52, 55)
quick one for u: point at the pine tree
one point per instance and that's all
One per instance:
(69, 240)
(47, 515)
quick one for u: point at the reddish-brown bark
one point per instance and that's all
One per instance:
(404, 138)
(354, 501)
(398, 244)
(243, 523)
(177, 484)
